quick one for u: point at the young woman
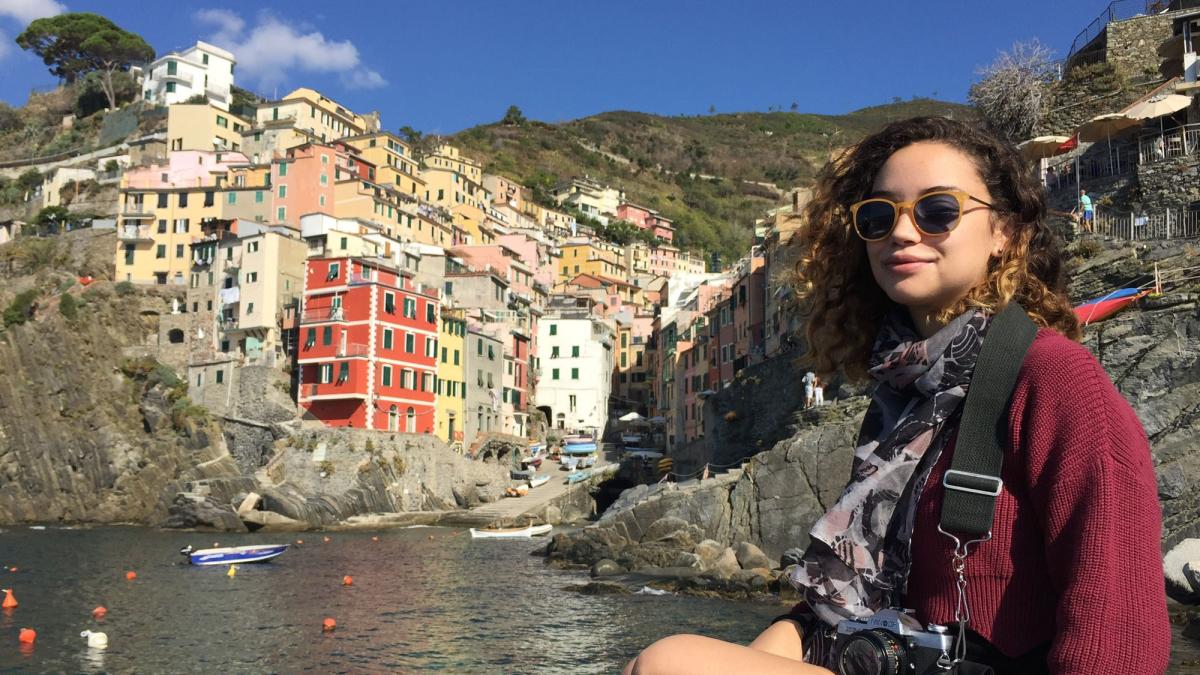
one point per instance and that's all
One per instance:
(914, 239)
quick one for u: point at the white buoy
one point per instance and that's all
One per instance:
(98, 640)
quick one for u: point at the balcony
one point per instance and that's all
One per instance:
(349, 388)
(322, 314)
(352, 351)
(137, 210)
(134, 233)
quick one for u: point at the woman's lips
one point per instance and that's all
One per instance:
(906, 265)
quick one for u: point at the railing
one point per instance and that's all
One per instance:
(1117, 10)
(134, 233)
(1177, 142)
(322, 314)
(1118, 163)
(1180, 223)
(352, 350)
(136, 209)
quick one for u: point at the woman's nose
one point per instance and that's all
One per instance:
(906, 228)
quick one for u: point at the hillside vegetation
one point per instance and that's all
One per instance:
(703, 172)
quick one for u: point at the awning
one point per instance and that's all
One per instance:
(1159, 106)
(1104, 127)
(1042, 147)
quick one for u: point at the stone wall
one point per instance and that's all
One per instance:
(1172, 182)
(1133, 44)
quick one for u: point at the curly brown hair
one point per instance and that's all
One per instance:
(844, 306)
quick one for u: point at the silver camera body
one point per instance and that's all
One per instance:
(891, 642)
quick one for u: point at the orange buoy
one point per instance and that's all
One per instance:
(12, 569)
(347, 580)
(130, 575)
(326, 540)
(328, 625)
(374, 538)
(299, 542)
(99, 612)
(27, 636)
(9, 600)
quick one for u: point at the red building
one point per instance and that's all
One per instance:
(368, 340)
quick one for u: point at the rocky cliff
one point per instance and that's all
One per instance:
(1152, 353)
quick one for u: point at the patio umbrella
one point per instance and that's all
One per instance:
(1042, 147)
(1160, 107)
(1105, 127)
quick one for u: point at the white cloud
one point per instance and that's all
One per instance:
(272, 50)
(26, 11)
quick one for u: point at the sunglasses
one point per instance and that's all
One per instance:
(934, 214)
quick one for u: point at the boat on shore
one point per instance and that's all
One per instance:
(512, 532)
(232, 554)
(539, 480)
(578, 476)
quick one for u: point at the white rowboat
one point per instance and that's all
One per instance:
(512, 532)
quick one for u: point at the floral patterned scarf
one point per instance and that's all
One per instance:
(858, 558)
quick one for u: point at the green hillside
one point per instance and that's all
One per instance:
(693, 169)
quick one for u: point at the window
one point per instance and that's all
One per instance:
(387, 376)
(572, 402)
(327, 335)
(389, 303)
(251, 277)
(479, 347)
(387, 338)
(258, 196)
(282, 165)
(343, 371)
(456, 357)
(220, 376)
(429, 312)
(575, 351)
(345, 243)
(160, 251)
(311, 338)
(554, 329)
(335, 270)
(222, 121)
(410, 308)
(624, 340)
(324, 179)
(491, 354)
(178, 250)
(252, 247)
(181, 227)
(410, 343)
(162, 200)
(624, 361)
(325, 373)
(443, 354)
(283, 192)
(281, 213)
(231, 198)
(554, 374)
(162, 226)
(554, 352)
(170, 87)
(574, 373)
(426, 382)
(430, 347)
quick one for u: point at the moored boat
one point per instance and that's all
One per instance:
(539, 480)
(578, 476)
(232, 554)
(1105, 306)
(512, 532)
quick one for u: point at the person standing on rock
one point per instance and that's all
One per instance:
(810, 380)
(914, 239)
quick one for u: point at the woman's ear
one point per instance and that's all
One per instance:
(1000, 234)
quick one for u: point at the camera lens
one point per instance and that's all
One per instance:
(872, 652)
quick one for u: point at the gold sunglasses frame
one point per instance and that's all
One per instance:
(899, 207)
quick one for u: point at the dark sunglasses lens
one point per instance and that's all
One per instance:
(874, 219)
(936, 214)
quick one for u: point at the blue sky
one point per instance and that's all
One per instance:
(443, 66)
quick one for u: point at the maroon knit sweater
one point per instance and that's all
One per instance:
(1074, 557)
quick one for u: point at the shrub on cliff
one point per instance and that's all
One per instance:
(21, 309)
(68, 307)
(124, 288)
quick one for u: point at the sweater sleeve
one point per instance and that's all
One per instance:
(1092, 482)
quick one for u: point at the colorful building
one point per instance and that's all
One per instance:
(576, 370)
(202, 70)
(393, 161)
(368, 344)
(451, 379)
(315, 116)
(204, 126)
(585, 256)
(455, 182)
(161, 209)
(484, 382)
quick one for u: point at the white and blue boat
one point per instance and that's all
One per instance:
(579, 445)
(232, 554)
(578, 476)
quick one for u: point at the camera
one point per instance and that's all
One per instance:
(891, 642)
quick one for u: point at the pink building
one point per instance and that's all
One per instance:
(647, 219)
(303, 179)
(185, 168)
(748, 299)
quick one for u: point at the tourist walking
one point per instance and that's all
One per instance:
(818, 391)
(1087, 212)
(914, 242)
(810, 380)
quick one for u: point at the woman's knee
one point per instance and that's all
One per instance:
(667, 655)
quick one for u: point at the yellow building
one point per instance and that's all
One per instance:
(393, 160)
(591, 257)
(321, 117)
(456, 183)
(160, 211)
(397, 214)
(204, 126)
(451, 378)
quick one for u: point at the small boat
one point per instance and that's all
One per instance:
(568, 463)
(1105, 306)
(578, 476)
(580, 447)
(535, 462)
(523, 474)
(232, 554)
(539, 480)
(512, 532)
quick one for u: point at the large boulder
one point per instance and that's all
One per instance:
(606, 567)
(726, 565)
(750, 556)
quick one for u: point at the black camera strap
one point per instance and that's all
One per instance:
(973, 481)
